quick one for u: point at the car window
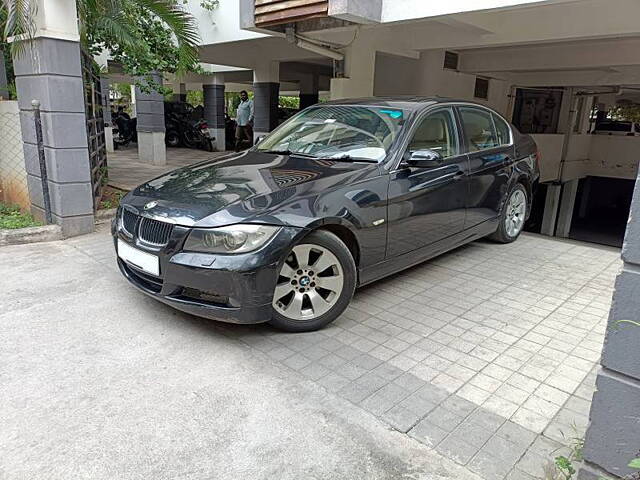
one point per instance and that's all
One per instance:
(479, 130)
(436, 132)
(503, 131)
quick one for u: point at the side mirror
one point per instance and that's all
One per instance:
(424, 159)
(259, 139)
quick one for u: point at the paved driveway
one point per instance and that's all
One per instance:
(481, 360)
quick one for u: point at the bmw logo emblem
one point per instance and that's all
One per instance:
(150, 205)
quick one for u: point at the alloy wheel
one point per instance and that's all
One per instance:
(309, 284)
(516, 210)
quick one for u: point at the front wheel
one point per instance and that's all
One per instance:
(513, 216)
(315, 283)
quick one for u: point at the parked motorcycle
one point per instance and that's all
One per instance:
(184, 126)
(125, 131)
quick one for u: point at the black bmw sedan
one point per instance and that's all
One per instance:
(340, 195)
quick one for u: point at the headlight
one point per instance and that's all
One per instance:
(232, 239)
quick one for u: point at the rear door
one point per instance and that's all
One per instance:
(489, 142)
(428, 204)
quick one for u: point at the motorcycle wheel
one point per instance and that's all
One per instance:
(172, 139)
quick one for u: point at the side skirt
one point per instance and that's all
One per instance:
(396, 264)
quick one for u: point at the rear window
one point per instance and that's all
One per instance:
(503, 130)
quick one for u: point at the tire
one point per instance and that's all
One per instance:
(513, 216)
(172, 138)
(301, 303)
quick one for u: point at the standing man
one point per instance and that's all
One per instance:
(244, 120)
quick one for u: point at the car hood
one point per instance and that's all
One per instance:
(249, 186)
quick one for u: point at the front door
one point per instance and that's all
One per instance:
(428, 204)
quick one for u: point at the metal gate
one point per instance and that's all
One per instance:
(95, 126)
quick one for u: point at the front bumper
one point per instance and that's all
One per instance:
(228, 288)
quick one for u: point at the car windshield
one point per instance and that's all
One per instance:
(338, 131)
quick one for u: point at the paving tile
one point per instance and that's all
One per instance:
(457, 449)
(447, 382)
(489, 467)
(432, 393)
(541, 406)
(578, 405)
(347, 352)
(424, 372)
(485, 382)
(500, 406)
(461, 373)
(515, 433)
(409, 382)
(530, 420)
(351, 371)
(384, 399)
(498, 372)
(511, 393)
(403, 362)
(401, 418)
(552, 394)
(459, 405)
(314, 371)
(388, 372)
(333, 381)
(332, 361)
(366, 361)
(297, 361)
(517, 474)
(473, 394)
(444, 419)
(505, 450)
(489, 420)
(428, 433)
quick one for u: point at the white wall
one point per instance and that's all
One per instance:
(404, 76)
(398, 10)
(588, 155)
(614, 156)
(222, 25)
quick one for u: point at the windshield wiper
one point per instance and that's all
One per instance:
(349, 158)
(289, 152)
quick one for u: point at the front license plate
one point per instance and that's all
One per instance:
(142, 260)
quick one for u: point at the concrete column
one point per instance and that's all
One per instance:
(49, 71)
(308, 91)
(550, 215)
(567, 203)
(179, 92)
(359, 70)
(106, 113)
(134, 113)
(4, 91)
(150, 109)
(613, 436)
(214, 109)
(266, 90)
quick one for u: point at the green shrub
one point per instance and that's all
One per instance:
(11, 217)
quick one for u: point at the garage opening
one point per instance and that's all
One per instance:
(601, 210)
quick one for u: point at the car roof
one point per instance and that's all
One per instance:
(400, 102)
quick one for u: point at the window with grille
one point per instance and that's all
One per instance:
(450, 60)
(482, 88)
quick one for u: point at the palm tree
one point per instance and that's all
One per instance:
(114, 21)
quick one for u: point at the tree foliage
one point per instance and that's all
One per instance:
(143, 35)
